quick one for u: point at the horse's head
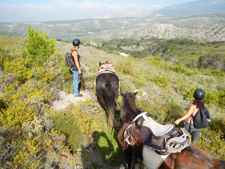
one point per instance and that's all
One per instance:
(100, 63)
(106, 64)
(128, 108)
(129, 99)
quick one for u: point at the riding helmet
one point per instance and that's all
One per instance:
(199, 94)
(76, 42)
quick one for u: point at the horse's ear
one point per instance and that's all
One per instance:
(136, 92)
(99, 63)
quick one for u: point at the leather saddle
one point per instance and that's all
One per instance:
(156, 136)
(159, 131)
(106, 69)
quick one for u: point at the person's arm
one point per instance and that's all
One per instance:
(75, 56)
(189, 113)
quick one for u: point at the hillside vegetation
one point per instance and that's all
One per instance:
(34, 135)
(180, 51)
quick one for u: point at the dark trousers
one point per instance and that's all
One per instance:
(193, 131)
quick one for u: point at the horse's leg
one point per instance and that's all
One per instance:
(101, 99)
(116, 123)
(128, 156)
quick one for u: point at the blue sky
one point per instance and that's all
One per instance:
(46, 10)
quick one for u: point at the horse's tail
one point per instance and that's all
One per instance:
(110, 104)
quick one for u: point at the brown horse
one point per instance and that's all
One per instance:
(190, 157)
(107, 89)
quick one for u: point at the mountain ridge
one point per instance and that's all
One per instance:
(200, 7)
(195, 23)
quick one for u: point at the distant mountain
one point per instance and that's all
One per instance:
(200, 7)
(200, 28)
(206, 28)
(202, 20)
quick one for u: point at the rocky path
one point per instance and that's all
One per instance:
(66, 99)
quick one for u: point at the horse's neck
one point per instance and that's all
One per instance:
(130, 110)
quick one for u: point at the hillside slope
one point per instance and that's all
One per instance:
(77, 134)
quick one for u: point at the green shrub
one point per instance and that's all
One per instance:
(126, 66)
(87, 122)
(23, 101)
(218, 125)
(212, 60)
(212, 142)
(3, 105)
(4, 56)
(43, 74)
(20, 67)
(38, 47)
(180, 69)
(66, 124)
(218, 73)
(31, 92)
(153, 60)
(162, 81)
(10, 139)
(29, 155)
(175, 111)
(17, 113)
(146, 107)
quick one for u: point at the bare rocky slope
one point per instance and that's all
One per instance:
(201, 28)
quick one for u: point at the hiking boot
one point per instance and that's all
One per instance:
(79, 95)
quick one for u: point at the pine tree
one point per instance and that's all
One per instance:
(38, 47)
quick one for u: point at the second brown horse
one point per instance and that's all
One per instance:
(190, 157)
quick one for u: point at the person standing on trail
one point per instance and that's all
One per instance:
(76, 68)
(193, 109)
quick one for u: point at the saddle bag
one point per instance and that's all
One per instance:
(201, 119)
(69, 61)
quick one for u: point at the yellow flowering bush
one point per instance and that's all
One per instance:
(19, 66)
(29, 155)
(17, 113)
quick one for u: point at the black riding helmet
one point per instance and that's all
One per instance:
(76, 42)
(199, 94)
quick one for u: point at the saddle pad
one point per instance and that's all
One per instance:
(107, 70)
(151, 159)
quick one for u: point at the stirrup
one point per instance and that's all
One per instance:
(177, 144)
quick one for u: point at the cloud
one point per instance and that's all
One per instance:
(65, 10)
(217, 2)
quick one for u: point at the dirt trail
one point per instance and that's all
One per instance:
(66, 99)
